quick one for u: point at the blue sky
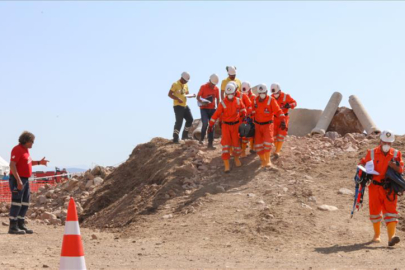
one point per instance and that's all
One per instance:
(90, 79)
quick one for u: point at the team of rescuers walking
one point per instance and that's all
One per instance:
(236, 103)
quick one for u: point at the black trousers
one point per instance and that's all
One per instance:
(20, 199)
(206, 115)
(182, 113)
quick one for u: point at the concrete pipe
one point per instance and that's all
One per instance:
(197, 131)
(302, 121)
(327, 114)
(364, 118)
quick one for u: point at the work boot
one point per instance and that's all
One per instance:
(201, 142)
(252, 147)
(392, 239)
(263, 160)
(267, 159)
(211, 146)
(377, 227)
(227, 167)
(14, 228)
(21, 226)
(185, 136)
(176, 141)
(243, 150)
(278, 149)
(237, 162)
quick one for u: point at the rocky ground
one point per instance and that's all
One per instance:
(171, 206)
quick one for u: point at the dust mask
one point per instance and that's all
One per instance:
(230, 96)
(386, 148)
(263, 96)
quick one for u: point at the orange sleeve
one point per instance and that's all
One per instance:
(217, 114)
(366, 159)
(291, 101)
(243, 109)
(275, 108)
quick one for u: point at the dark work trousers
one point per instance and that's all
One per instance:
(182, 113)
(206, 115)
(20, 199)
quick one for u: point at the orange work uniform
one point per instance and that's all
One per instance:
(378, 201)
(230, 112)
(282, 100)
(264, 112)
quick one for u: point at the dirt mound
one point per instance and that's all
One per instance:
(155, 172)
(167, 179)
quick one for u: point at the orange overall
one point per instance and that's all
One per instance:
(282, 100)
(378, 201)
(230, 112)
(264, 112)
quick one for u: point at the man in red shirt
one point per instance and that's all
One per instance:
(208, 98)
(20, 170)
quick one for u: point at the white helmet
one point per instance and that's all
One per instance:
(234, 84)
(245, 87)
(231, 70)
(275, 88)
(185, 76)
(230, 89)
(214, 79)
(262, 89)
(387, 136)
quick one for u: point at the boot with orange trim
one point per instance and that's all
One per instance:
(278, 149)
(243, 150)
(227, 166)
(392, 239)
(237, 161)
(251, 145)
(377, 231)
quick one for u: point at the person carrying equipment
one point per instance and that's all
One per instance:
(264, 109)
(383, 157)
(208, 98)
(231, 109)
(231, 78)
(286, 102)
(178, 93)
(247, 99)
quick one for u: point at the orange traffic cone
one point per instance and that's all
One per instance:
(72, 255)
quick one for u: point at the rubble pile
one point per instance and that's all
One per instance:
(345, 121)
(49, 204)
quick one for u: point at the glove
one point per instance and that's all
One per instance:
(287, 106)
(282, 125)
(210, 129)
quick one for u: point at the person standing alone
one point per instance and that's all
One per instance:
(20, 170)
